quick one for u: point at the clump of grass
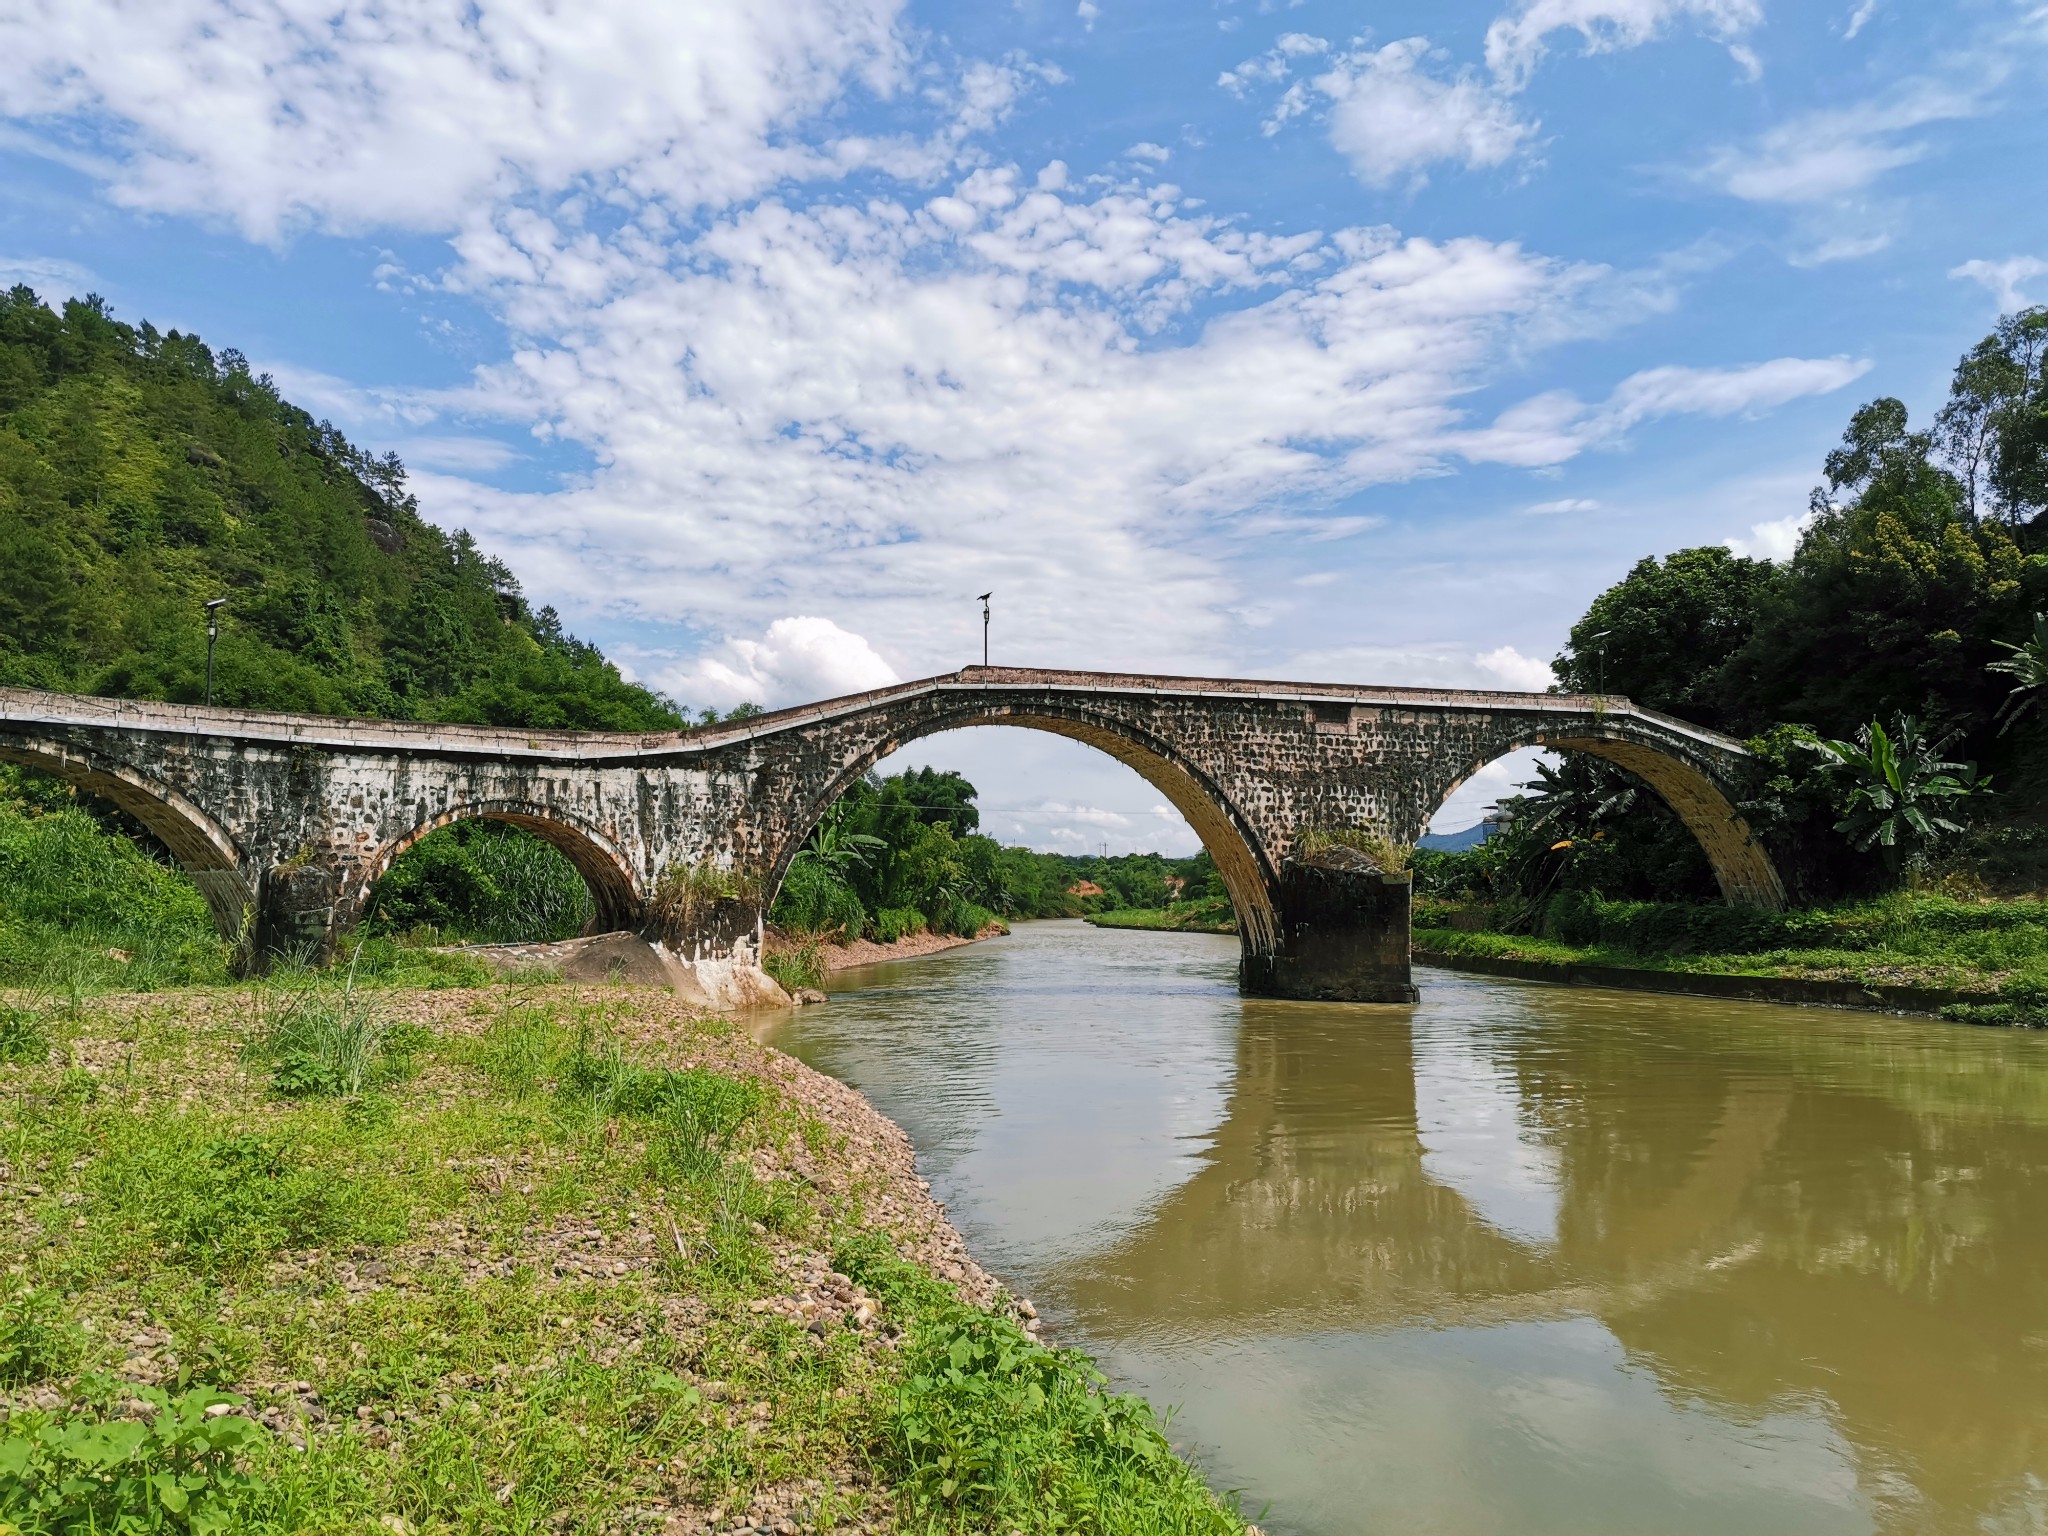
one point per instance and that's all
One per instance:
(989, 1430)
(37, 1341)
(329, 1041)
(23, 1040)
(798, 967)
(691, 897)
(179, 1470)
(1388, 854)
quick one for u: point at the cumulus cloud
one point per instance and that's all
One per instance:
(1514, 671)
(797, 659)
(1391, 118)
(2006, 279)
(1777, 539)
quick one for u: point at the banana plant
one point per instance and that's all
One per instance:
(2029, 663)
(1895, 787)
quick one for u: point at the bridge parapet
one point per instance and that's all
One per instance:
(287, 821)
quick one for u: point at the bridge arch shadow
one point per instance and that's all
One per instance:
(614, 897)
(1741, 866)
(1222, 829)
(198, 842)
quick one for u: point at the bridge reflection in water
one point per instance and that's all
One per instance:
(1520, 1259)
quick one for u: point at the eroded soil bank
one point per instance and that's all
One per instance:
(522, 1258)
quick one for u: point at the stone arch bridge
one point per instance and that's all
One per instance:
(285, 821)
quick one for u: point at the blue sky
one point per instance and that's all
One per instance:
(1360, 341)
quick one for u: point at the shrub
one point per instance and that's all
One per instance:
(893, 923)
(962, 918)
(177, 1471)
(814, 899)
(800, 967)
(483, 881)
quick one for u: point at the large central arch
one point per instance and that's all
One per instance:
(1223, 829)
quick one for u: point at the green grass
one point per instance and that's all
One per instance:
(542, 1276)
(1996, 949)
(1213, 916)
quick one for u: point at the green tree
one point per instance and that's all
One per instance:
(1663, 634)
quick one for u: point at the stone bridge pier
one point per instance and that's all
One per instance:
(1297, 789)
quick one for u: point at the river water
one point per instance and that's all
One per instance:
(1520, 1259)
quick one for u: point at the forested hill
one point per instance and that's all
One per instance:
(142, 474)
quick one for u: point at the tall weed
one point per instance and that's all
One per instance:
(178, 1471)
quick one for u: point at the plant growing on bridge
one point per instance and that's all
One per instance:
(1895, 787)
(2028, 663)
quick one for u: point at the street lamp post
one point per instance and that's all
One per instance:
(984, 626)
(1600, 662)
(212, 634)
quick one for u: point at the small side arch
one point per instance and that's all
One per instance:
(1741, 865)
(1240, 861)
(614, 897)
(195, 839)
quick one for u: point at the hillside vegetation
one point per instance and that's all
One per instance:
(143, 475)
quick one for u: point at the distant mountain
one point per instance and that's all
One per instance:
(1454, 842)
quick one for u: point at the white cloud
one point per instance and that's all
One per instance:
(2005, 279)
(1565, 504)
(276, 114)
(456, 455)
(1555, 426)
(798, 659)
(1774, 540)
(1274, 65)
(1514, 671)
(1822, 157)
(54, 280)
(1088, 11)
(1156, 154)
(1517, 42)
(1392, 115)
(1391, 118)
(804, 402)
(1859, 19)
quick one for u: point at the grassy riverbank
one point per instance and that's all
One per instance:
(515, 1259)
(1996, 951)
(1210, 916)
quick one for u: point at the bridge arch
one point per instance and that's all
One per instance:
(198, 842)
(1741, 866)
(615, 898)
(1241, 861)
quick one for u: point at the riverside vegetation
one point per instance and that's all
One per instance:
(1889, 678)
(303, 1257)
